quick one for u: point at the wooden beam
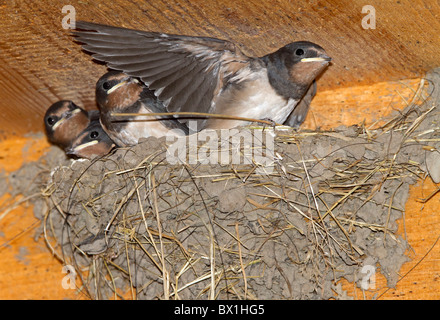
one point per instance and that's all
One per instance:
(41, 64)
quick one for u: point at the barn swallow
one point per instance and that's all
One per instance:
(64, 120)
(91, 143)
(209, 75)
(117, 92)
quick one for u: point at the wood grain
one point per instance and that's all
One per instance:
(40, 63)
(369, 104)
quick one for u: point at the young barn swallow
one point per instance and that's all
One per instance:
(92, 142)
(117, 92)
(64, 121)
(200, 74)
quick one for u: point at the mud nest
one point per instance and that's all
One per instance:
(288, 221)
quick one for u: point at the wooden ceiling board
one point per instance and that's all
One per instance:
(40, 62)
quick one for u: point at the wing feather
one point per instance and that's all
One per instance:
(183, 71)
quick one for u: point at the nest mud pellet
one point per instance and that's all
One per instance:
(324, 208)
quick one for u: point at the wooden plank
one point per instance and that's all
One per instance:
(40, 63)
(369, 104)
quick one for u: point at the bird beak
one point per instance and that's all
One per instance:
(81, 146)
(58, 123)
(120, 84)
(69, 114)
(316, 59)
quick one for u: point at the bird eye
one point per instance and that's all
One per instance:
(299, 52)
(50, 121)
(106, 85)
(94, 134)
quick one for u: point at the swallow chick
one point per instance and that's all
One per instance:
(64, 121)
(209, 75)
(117, 92)
(92, 142)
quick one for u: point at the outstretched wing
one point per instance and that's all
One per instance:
(184, 72)
(298, 115)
